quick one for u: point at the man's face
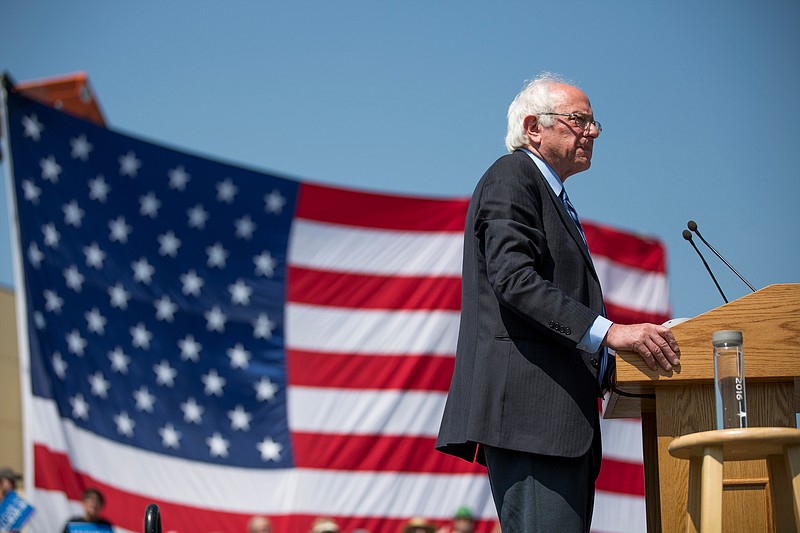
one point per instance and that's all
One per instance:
(6, 486)
(92, 506)
(463, 525)
(564, 146)
(260, 525)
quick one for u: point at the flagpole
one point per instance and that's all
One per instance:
(19, 291)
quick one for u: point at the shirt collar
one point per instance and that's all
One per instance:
(549, 174)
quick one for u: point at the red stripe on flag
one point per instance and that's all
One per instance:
(637, 251)
(389, 372)
(621, 477)
(339, 289)
(54, 472)
(355, 208)
(381, 453)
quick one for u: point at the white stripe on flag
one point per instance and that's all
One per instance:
(365, 412)
(331, 329)
(632, 288)
(620, 513)
(338, 248)
(622, 439)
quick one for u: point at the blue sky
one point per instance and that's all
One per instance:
(699, 103)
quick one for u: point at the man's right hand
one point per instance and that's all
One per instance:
(654, 343)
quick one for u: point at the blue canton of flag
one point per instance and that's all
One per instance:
(142, 295)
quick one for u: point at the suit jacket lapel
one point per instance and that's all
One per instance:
(559, 208)
(566, 220)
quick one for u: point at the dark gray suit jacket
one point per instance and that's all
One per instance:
(529, 293)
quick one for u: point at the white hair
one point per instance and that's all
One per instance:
(536, 97)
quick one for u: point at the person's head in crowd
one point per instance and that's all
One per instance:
(463, 521)
(259, 524)
(8, 481)
(93, 503)
(418, 525)
(325, 525)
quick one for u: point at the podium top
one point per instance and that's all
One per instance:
(769, 320)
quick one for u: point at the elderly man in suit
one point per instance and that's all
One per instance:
(532, 354)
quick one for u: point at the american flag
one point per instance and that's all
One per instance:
(226, 342)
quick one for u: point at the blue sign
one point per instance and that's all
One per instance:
(14, 512)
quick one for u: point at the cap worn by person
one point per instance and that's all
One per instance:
(7, 473)
(325, 525)
(463, 512)
(419, 525)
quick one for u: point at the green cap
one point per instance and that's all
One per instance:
(463, 512)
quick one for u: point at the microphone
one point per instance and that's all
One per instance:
(692, 225)
(688, 236)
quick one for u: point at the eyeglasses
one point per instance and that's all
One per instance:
(580, 121)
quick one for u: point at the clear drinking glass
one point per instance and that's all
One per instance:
(729, 379)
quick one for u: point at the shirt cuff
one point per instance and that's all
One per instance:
(591, 340)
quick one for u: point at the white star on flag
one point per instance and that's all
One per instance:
(144, 399)
(262, 327)
(143, 271)
(240, 419)
(73, 278)
(59, 365)
(190, 348)
(240, 292)
(274, 202)
(129, 165)
(192, 283)
(192, 411)
(96, 322)
(125, 424)
(198, 217)
(141, 336)
(265, 264)
(149, 205)
(73, 214)
(99, 384)
(178, 178)
(218, 446)
(99, 189)
(94, 256)
(119, 296)
(33, 128)
(119, 360)
(31, 191)
(270, 450)
(170, 437)
(226, 191)
(165, 309)
(165, 374)
(80, 148)
(239, 357)
(80, 409)
(214, 383)
(265, 390)
(50, 169)
(76, 343)
(119, 230)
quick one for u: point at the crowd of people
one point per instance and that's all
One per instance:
(93, 502)
(463, 522)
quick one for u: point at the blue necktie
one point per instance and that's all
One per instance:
(604, 355)
(571, 210)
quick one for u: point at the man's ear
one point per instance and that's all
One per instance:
(531, 125)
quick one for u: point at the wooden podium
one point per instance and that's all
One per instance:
(682, 401)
